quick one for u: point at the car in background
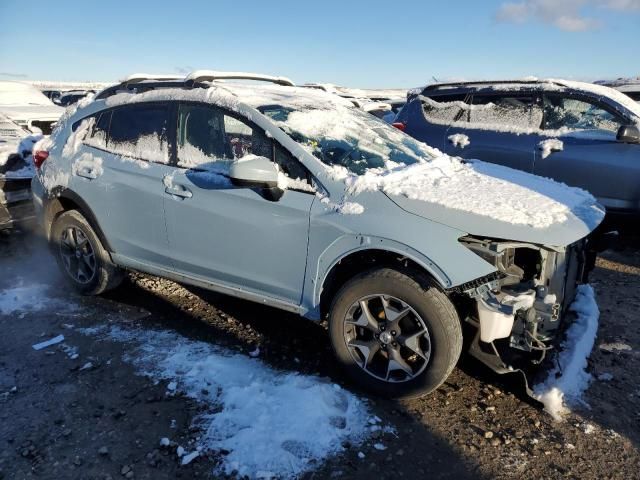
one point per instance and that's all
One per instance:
(16, 171)
(580, 134)
(28, 107)
(628, 86)
(73, 96)
(52, 95)
(297, 199)
(382, 103)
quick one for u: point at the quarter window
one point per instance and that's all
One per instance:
(98, 135)
(443, 109)
(574, 114)
(140, 131)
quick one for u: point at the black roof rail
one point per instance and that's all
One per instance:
(139, 87)
(488, 83)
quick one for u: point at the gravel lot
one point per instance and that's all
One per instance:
(91, 416)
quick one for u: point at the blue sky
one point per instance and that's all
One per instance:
(358, 43)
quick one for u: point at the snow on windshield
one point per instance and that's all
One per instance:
(348, 137)
(16, 93)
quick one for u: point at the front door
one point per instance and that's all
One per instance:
(233, 235)
(582, 151)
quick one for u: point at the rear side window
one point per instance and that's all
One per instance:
(140, 131)
(508, 111)
(444, 109)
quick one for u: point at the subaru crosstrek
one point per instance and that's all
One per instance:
(294, 198)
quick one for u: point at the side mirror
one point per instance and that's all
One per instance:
(628, 134)
(256, 172)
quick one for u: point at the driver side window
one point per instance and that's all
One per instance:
(574, 114)
(209, 136)
(211, 139)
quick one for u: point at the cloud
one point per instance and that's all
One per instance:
(567, 15)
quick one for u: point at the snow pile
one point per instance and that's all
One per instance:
(549, 146)
(459, 140)
(566, 383)
(485, 189)
(267, 420)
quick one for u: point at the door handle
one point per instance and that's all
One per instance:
(179, 191)
(552, 149)
(87, 173)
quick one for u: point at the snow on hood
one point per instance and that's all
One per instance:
(490, 191)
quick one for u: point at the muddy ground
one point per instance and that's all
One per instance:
(59, 420)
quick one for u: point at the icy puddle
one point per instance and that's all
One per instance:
(272, 423)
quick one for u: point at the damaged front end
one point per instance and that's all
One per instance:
(519, 311)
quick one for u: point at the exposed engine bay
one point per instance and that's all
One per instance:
(522, 306)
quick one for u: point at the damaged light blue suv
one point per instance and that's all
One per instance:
(294, 198)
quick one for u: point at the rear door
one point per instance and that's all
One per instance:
(235, 236)
(582, 150)
(119, 172)
(498, 127)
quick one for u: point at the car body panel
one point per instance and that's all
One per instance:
(128, 201)
(229, 233)
(508, 149)
(609, 169)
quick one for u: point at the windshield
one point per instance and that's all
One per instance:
(348, 137)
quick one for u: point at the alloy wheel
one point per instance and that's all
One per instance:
(387, 338)
(77, 254)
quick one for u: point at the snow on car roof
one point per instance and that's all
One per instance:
(547, 84)
(230, 94)
(18, 93)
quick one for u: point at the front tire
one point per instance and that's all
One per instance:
(83, 260)
(396, 335)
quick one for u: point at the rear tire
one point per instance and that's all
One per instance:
(403, 341)
(83, 260)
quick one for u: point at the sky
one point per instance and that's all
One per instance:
(368, 44)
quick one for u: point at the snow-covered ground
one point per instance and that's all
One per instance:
(274, 424)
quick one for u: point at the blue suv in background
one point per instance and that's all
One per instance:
(581, 134)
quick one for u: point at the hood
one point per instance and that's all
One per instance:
(25, 113)
(488, 200)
